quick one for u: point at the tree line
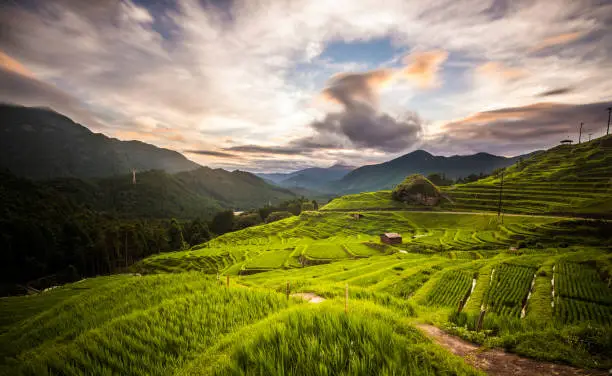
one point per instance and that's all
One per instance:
(48, 237)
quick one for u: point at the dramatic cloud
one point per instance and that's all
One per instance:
(541, 125)
(557, 40)
(423, 67)
(559, 91)
(214, 75)
(256, 149)
(211, 153)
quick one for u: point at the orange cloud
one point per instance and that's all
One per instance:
(10, 64)
(423, 67)
(496, 69)
(505, 114)
(557, 40)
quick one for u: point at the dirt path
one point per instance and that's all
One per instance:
(310, 297)
(497, 362)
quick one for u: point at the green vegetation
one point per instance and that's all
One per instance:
(189, 324)
(416, 189)
(567, 179)
(538, 286)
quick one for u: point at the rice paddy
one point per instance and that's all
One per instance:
(543, 284)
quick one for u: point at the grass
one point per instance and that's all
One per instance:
(178, 319)
(567, 179)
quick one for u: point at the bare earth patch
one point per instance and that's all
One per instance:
(310, 297)
(498, 362)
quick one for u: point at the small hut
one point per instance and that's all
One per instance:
(391, 238)
(566, 142)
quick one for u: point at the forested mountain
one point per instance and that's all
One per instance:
(65, 227)
(386, 175)
(39, 143)
(314, 178)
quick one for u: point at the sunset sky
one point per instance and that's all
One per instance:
(281, 85)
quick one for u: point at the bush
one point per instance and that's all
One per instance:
(277, 216)
(416, 189)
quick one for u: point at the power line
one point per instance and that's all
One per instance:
(609, 112)
(501, 188)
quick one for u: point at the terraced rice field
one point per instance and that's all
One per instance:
(580, 294)
(453, 288)
(569, 179)
(508, 289)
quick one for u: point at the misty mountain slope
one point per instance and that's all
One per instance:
(236, 189)
(314, 178)
(40, 143)
(386, 175)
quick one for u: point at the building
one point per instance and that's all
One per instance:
(566, 142)
(391, 238)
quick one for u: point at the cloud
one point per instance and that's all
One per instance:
(9, 64)
(515, 129)
(258, 149)
(211, 153)
(494, 69)
(556, 40)
(26, 90)
(558, 91)
(251, 69)
(423, 67)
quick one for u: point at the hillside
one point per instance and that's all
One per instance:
(570, 179)
(314, 178)
(179, 322)
(385, 175)
(444, 260)
(198, 193)
(39, 143)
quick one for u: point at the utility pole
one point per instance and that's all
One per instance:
(501, 188)
(609, 112)
(580, 134)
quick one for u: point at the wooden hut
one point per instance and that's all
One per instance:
(391, 238)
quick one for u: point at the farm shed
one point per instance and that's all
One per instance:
(391, 238)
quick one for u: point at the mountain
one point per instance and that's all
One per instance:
(314, 178)
(386, 175)
(185, 195)
(39, 143)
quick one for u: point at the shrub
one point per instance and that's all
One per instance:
(416, 189)
(277, 216)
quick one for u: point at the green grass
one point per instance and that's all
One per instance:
(178, 319)
(566, 179)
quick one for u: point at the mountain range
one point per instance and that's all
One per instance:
(314, 178)
(386, 175)
(39, 143)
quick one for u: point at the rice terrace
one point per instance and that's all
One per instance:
(533, 285)
(305, 188)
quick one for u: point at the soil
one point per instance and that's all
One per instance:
(310, 297)
(498, 362)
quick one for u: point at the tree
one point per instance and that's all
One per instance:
(175, 233)
(222, 222)
(307, 206)
(197, 232)
(294, 208)
(277, 216)
(246, 220)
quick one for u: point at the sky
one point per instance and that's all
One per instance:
(280, 85)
